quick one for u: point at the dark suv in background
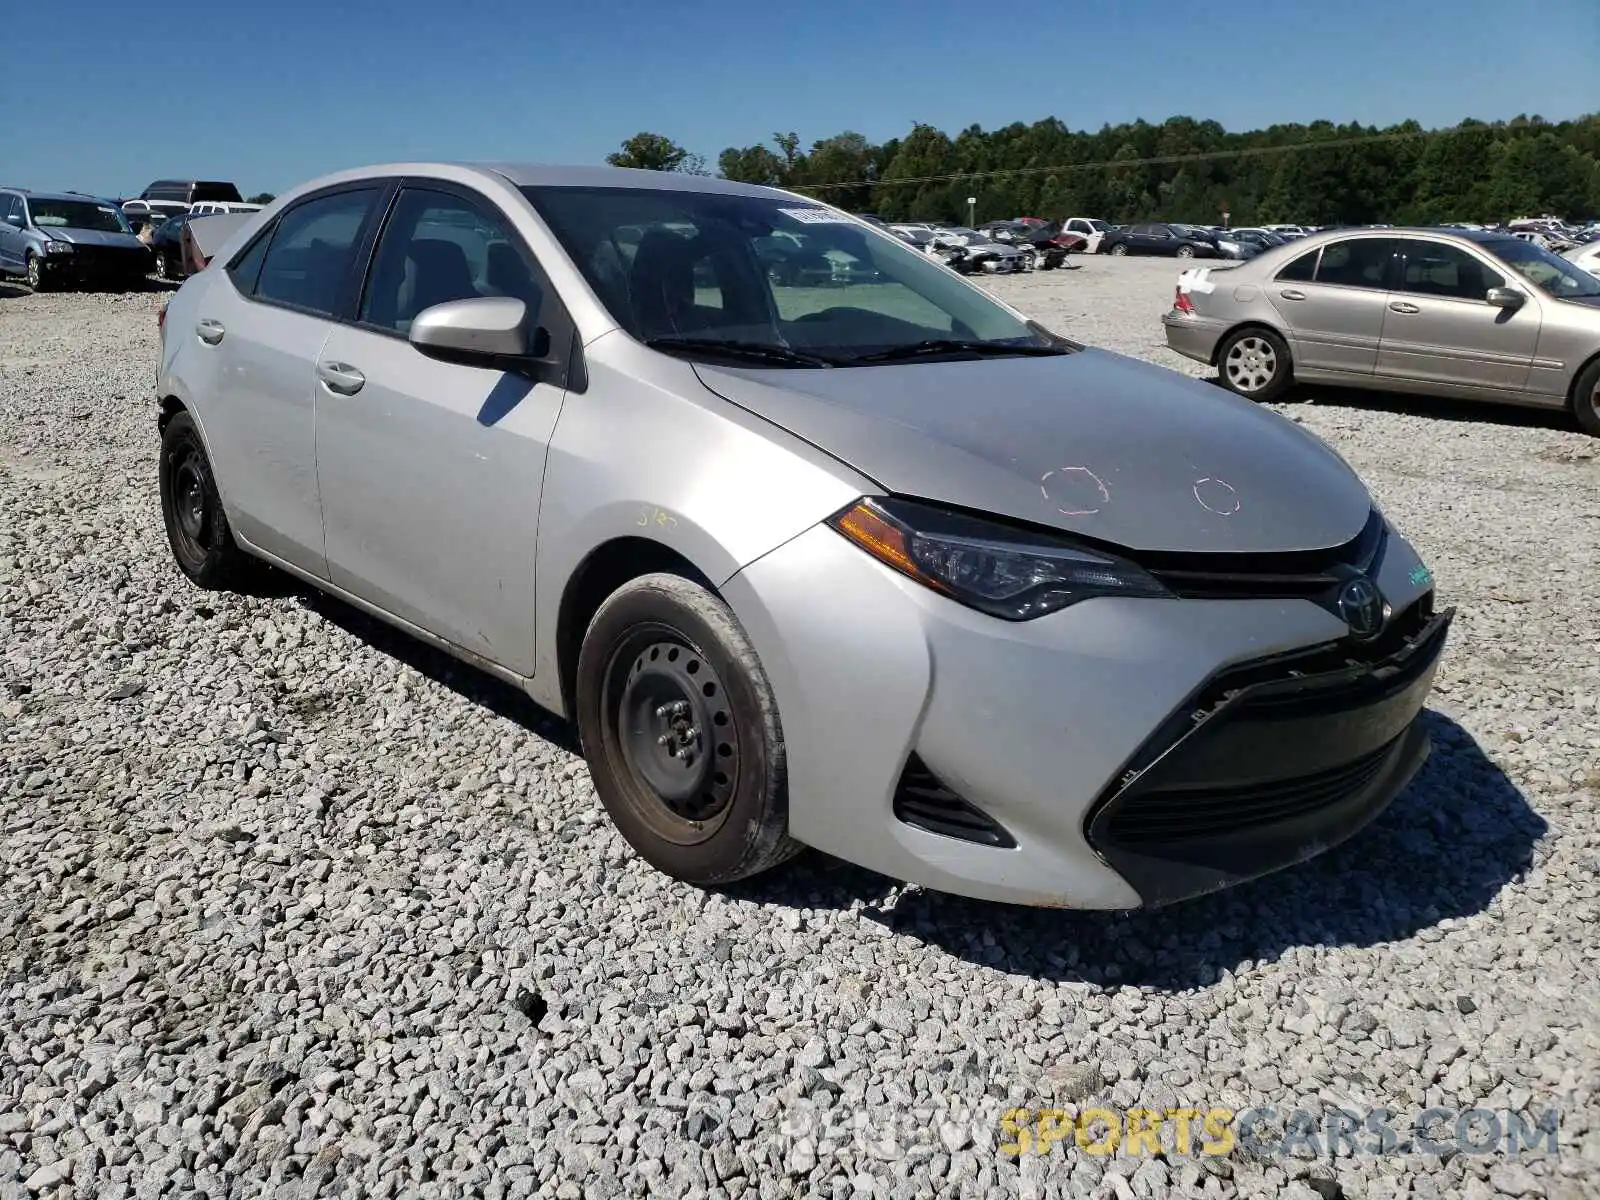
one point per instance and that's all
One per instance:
(54, 238)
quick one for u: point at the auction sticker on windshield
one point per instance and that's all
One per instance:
(814, 216)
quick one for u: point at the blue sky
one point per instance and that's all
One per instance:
(270, 94)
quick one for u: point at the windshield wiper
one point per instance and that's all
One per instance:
(754, 351)
(939, 346)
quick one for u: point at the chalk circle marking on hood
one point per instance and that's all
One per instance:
(1217, 496)
(1075, 491)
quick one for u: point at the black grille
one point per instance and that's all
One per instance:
(1178, 814)
(1300, 574)
(924, 802)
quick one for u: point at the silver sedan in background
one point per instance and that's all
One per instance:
(1445, 312)
(878, 566)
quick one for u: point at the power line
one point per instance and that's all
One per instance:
(1158, 160)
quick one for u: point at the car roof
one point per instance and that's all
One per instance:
(539, 175)
(32, 195)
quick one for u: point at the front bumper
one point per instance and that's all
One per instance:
(98, 264)
(1029, 762)
(1193, 336)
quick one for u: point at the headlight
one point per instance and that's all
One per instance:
(58, 247)
(1006, 572)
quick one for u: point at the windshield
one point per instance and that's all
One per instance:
(688, 265)
(1549, 272)
(77, 214)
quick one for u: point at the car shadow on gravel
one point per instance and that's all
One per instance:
(1436, 408)
(1444, 849)
(466, 681)
(10, 291)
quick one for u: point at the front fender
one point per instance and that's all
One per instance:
(647, 451)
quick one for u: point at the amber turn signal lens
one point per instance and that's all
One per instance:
(883, 539)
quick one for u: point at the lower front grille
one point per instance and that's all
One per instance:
(924, 802)
(1179, 814)
(1271, 762)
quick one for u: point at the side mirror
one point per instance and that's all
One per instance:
(1505, 297)
(488, 331)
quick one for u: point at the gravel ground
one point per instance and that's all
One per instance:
(293, 905)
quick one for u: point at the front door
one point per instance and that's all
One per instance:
(430, 472)
(1333, 306)
(1439, 328)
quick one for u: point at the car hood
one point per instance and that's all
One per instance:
(95, 237)
(1092, 443)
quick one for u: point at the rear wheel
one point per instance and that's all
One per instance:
(681, 731)
(1255, 363)
(1586, 399)
(197, 530)
(1120, 249)
(1185, 251)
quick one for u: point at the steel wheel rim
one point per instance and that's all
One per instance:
(189, 497)
(34, 273)
(1185, 252)
(1594, 399)
(1119, 249)
(1252, 364)
(673, 722)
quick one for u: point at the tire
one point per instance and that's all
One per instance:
(1120, 250)
(197, 529)
(664, 662)
(1185, 251)
(35, 273)
(1586, 399)
(161, 267)
(1255, 363)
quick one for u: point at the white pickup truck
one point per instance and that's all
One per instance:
(1090, 229)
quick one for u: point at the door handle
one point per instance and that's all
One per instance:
(210, 332)
(1292, 294)
(340, 378)
(1400, 306)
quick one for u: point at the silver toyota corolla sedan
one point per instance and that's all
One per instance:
(872, 564)
(1444, 312)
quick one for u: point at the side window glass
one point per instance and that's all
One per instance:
(436, 248)
(1434, 269)
(309, 259)
(246, 267)
(1300, 270)
(1361, 262)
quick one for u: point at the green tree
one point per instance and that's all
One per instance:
(261, 198)
(652, 152)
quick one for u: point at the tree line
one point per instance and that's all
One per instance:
(1182, 170)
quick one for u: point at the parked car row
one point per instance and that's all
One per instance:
(61, 239)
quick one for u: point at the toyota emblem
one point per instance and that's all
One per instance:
(1361, 607)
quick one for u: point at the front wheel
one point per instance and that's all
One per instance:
(35, 273)
(191, 508)
(681, 731)
(1586, 399)
(1120, 250)
(1255, 363)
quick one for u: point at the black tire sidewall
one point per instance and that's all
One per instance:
(755, 829)
(1583, 401)
(212, 567)
(1282, 377)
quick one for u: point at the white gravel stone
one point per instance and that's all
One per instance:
(294, 906)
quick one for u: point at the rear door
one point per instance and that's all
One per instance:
(430, 472)
(1333, 301)
(1439, 328)
(260, 334)
(10, 232)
